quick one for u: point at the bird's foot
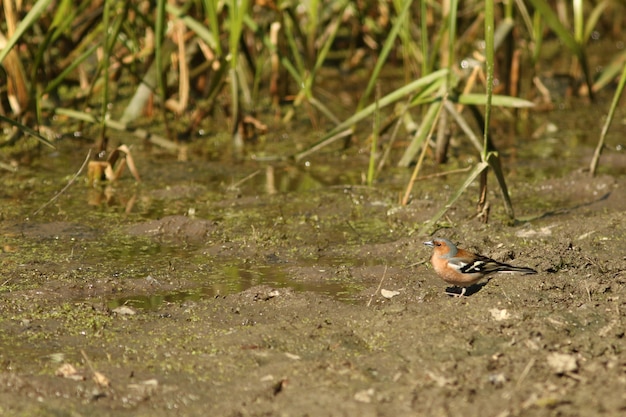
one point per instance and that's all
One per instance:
(451, 291)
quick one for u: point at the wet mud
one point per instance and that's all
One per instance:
(215, 301)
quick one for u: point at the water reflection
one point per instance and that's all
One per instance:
(237, 278)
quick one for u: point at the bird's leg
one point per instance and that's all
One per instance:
(456, 294)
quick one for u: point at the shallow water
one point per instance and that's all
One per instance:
(260, 202)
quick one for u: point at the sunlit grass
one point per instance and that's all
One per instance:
(226, 31)
(244, 57)
(607, 123)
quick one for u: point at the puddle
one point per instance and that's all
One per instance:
(235, 279)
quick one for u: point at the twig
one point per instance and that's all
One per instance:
(70, 182)
(320, 145)
(241, 181)
(524, 373)
(97, 377)
(88, 362)
(413, 264)
(443, 174)
(380, 284)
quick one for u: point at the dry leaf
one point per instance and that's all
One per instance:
(292, 356)
(389, 293)
(562, 362)
(364, 396)
(124, 311)
(111, 169)
(101, 380)
(499, 315)
(68, 371)
(145, 389)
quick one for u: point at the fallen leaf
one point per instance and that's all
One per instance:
(101, 380)
(124, 311)
(68, 371)
(144, 389)
(364, 396)
(389, 293)
(292, 356)
(499, 315)
(562, 363)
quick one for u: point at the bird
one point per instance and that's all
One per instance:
(461, 268)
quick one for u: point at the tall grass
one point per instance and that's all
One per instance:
(227, 30)
(79, 55)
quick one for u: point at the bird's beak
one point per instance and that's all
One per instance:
(430, 243)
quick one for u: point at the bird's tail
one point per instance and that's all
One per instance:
(517, 269)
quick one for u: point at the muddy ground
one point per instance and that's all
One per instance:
(230, 301)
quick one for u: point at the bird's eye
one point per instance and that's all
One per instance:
(437, 243)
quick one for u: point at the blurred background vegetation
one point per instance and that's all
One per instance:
(172, 72)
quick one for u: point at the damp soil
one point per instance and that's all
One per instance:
(299, 292)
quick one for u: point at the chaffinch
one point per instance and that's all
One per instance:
(462, 268)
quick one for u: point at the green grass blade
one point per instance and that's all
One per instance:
(392, 97)
(503, 30)
(210, 7)
(77, 115)
(478, 169)
(27, 130)
(52, 85)
(293, 45)
(494, 162)
(324, 110)
(523, 12)
(426, 62)
(579, 21)
(593, 18)
(424, 145)
(496, 100)
(237, 9)
(328, 43)
(159, 34)
(537, 36)
(566, 37)
(464, 126)
(420, 136)
(610, 71)
(555, 24)
(451, 35)
(199, 28)
(371, 169)
(31, 18)
(292, 70)
(490, 157)
(313, 12)
(62, 21)
(107, 44)
(386, 49)
(489, 48)
(607, 123)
